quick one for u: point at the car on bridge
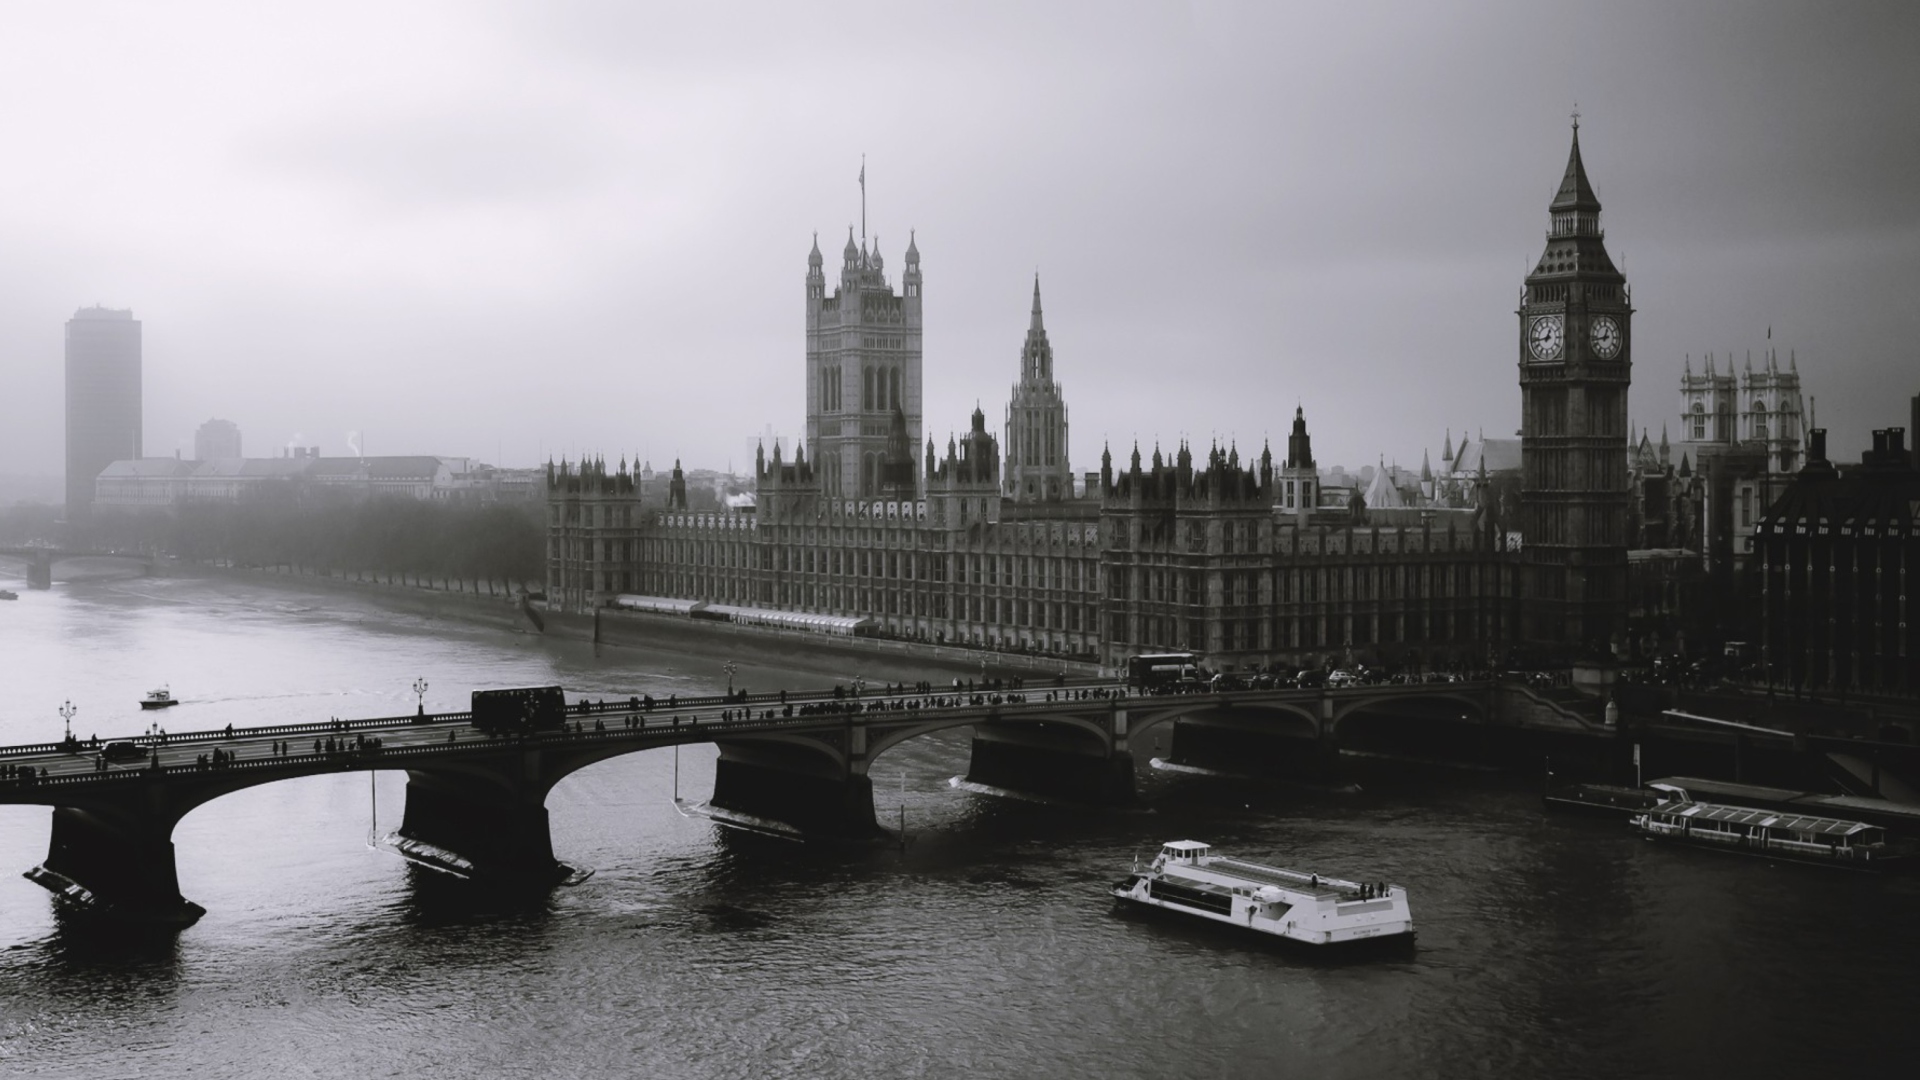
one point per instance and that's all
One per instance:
(122, 751)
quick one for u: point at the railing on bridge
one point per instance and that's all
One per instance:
(682, 715)
(678, 719)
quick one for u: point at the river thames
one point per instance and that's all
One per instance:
(1548, 946)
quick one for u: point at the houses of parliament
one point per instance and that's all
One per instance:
(1243, 555)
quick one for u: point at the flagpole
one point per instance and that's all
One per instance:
(863, 198)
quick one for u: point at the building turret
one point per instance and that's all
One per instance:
(1299, 485)
(964, 488)
(910, 281)
(677, 488)
(816, 276)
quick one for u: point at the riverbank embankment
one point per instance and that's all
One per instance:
(657, 633)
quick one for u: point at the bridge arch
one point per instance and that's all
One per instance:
(1287, 718)
(1465, 707)
(880, 741)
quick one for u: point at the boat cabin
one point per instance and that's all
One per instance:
(1189, 852)
(1784, 832)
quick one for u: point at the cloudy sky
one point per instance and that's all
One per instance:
(521, 230)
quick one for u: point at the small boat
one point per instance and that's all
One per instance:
(9, 594)
(158, 699)
(1303, 907)
(1610, 798)
(1774, 834)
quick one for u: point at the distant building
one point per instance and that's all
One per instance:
(216, 439)
(1839, 611)
(103, 398)
(150, 483)
(1741, 434)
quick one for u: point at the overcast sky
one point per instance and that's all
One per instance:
(520, 230)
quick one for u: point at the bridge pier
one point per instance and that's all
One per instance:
(796, 786)
(40, 571)
(116, 865)
(480, 829)
(1057, 761)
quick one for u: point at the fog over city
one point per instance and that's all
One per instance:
(515, 231)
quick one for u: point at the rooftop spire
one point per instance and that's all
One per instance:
(1575, 192)
(1036, 324)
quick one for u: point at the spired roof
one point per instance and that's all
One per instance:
(1381, 494)
(1575, 192)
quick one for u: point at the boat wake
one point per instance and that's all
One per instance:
(1410, 759)
(734, 819)
(961, 783)
(1163, 765)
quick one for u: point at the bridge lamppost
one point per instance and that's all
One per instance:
(420, 691)
(730, 667)
(67, 711)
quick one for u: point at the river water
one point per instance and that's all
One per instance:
(1548, 946)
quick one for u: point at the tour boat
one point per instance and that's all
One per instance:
(1304, 907)
(9, 594)
(1853, 845)
(158, 699)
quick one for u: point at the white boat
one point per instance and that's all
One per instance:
(158, 699)
(1304, 907)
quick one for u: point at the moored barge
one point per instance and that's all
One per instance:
(1187, 878)
(1823, 841)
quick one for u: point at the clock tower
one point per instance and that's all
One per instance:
(1576, 352)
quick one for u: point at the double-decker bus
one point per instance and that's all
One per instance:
(1152, 671)
(524, 708)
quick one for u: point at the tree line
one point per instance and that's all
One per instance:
(393, 539)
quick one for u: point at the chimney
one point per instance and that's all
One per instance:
(1817, 445)
(1915, 428)
(1896, 446)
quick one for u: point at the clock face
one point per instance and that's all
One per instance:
(1606, 338)
(1543, 337)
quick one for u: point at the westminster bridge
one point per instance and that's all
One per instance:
(475, 801)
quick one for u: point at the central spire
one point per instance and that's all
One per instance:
(1036, 323)
(1575, 192)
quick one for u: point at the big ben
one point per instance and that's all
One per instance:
(1576, 353)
